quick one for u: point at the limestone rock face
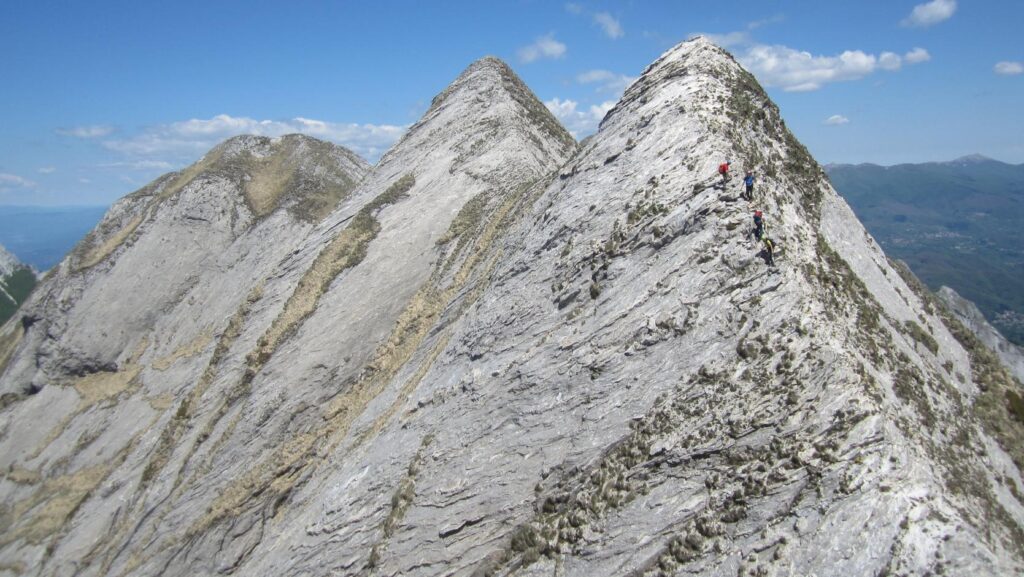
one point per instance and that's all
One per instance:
(505, 354)
(967, 312)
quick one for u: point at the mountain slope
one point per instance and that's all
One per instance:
(955, 223)
(227, 389)
(967, 313)
(634, 393)
(16, 282)
(478, 366)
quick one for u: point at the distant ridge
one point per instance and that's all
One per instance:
(970, 159)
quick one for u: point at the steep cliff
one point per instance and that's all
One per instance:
(501, 354)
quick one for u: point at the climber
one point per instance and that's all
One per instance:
(748, 183)
(723, 169)
(761, 234)
(759, 226)
(769, 250)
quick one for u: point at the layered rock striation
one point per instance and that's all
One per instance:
(502, 354)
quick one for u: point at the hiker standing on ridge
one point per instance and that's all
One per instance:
(748, 183)
(723, 169)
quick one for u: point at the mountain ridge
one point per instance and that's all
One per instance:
(504, 353)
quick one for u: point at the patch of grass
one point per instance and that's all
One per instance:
(18, 285)
(1015, 404)
(468, 219)
(10, 336)
(920, 335)
(345, 251)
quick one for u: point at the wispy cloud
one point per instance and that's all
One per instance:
(90, 131)
(544, 47)
(836, 120)
(46, 169)
(573, 8)
(612, 28)
(740, 37)
(930, 13)
(765, 21)
(608, 82)
(727, 40)
(580, 123)
(184, 140)
(139, 165)
(1007, 68)
(9, 181)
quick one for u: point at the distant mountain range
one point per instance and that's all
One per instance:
(955, 223)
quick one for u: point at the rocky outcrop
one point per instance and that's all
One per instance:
(181, 245)
(503, 354)
(16, 282)
(967, 313)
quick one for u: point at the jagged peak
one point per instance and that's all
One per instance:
(697, 57)
(492, 77)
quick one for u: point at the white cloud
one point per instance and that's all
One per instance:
(930, 13)
(836, 120)
(612, 27)
(889, 61)
(610, 82)
(1009, 68)
(573, 8)
(591, 76)
(917, 55)
(580, 123)
(543, 47)
(9, 181)
(46, 169)
(84, 181)
(796, 71)
(91, 131)
(186, 139)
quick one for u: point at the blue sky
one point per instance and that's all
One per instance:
(101, 97)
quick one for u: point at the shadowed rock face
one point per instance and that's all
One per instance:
(502, 354)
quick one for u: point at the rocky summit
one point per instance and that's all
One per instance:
(497, 352)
